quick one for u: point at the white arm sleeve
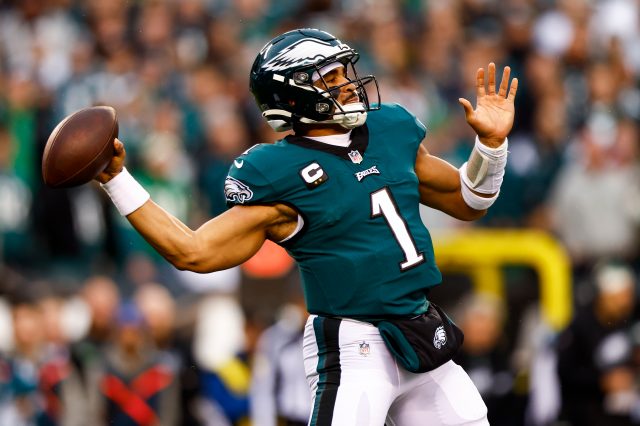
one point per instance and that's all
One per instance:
(485, 169)
(483, 173)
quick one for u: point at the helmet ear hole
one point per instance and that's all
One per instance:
(301, 77)
(323, 107)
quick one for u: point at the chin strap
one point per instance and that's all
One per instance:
(350, 116)
(350, 120)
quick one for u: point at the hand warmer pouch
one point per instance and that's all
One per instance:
(422, 343)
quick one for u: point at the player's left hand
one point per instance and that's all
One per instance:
(493, 117)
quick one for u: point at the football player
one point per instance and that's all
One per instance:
(341, 194)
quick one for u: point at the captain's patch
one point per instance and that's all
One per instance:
(313, 175)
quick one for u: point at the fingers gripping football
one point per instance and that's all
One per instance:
(116, 163)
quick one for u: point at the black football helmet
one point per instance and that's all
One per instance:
(283, 74)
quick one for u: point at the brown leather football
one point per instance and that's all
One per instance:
(80, 147)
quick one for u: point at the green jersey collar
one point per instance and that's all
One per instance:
(359, 142)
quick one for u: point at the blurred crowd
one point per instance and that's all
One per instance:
(95, 328)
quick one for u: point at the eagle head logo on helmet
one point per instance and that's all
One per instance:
(303, 52)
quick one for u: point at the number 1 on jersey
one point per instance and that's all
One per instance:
(383, 204)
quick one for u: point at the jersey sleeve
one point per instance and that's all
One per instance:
(412, 123)
(246, 184)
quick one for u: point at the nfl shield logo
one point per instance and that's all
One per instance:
(355, 156)
(364, 349)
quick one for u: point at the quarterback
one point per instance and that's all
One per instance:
(342, 194)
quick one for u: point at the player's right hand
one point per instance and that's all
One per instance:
(115, 165)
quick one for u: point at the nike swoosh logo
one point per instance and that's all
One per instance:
(239, 163)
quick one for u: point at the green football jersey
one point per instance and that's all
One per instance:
(363, 251)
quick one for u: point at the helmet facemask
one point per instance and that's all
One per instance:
(327, 105)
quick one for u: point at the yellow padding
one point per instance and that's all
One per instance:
(483, 252)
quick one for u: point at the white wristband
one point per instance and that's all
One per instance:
(473, 200)
(494, 153)
(125, 192)
(485, 169)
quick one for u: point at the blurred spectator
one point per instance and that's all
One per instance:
(279, 390)
(595, 367)
(485, 356)
(595, 199)
(135, 383)
(35, 377)
(159, 310)
(536, 159)
(15, 208)
(25, 406)
(55, 366)
(222, 350)
(37, 40)
(535, 361)
(101, 296)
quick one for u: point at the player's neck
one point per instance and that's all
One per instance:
(342, 139)
(310, 130)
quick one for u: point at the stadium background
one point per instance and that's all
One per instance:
(76, 281)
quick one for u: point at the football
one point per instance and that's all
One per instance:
(79, 147)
